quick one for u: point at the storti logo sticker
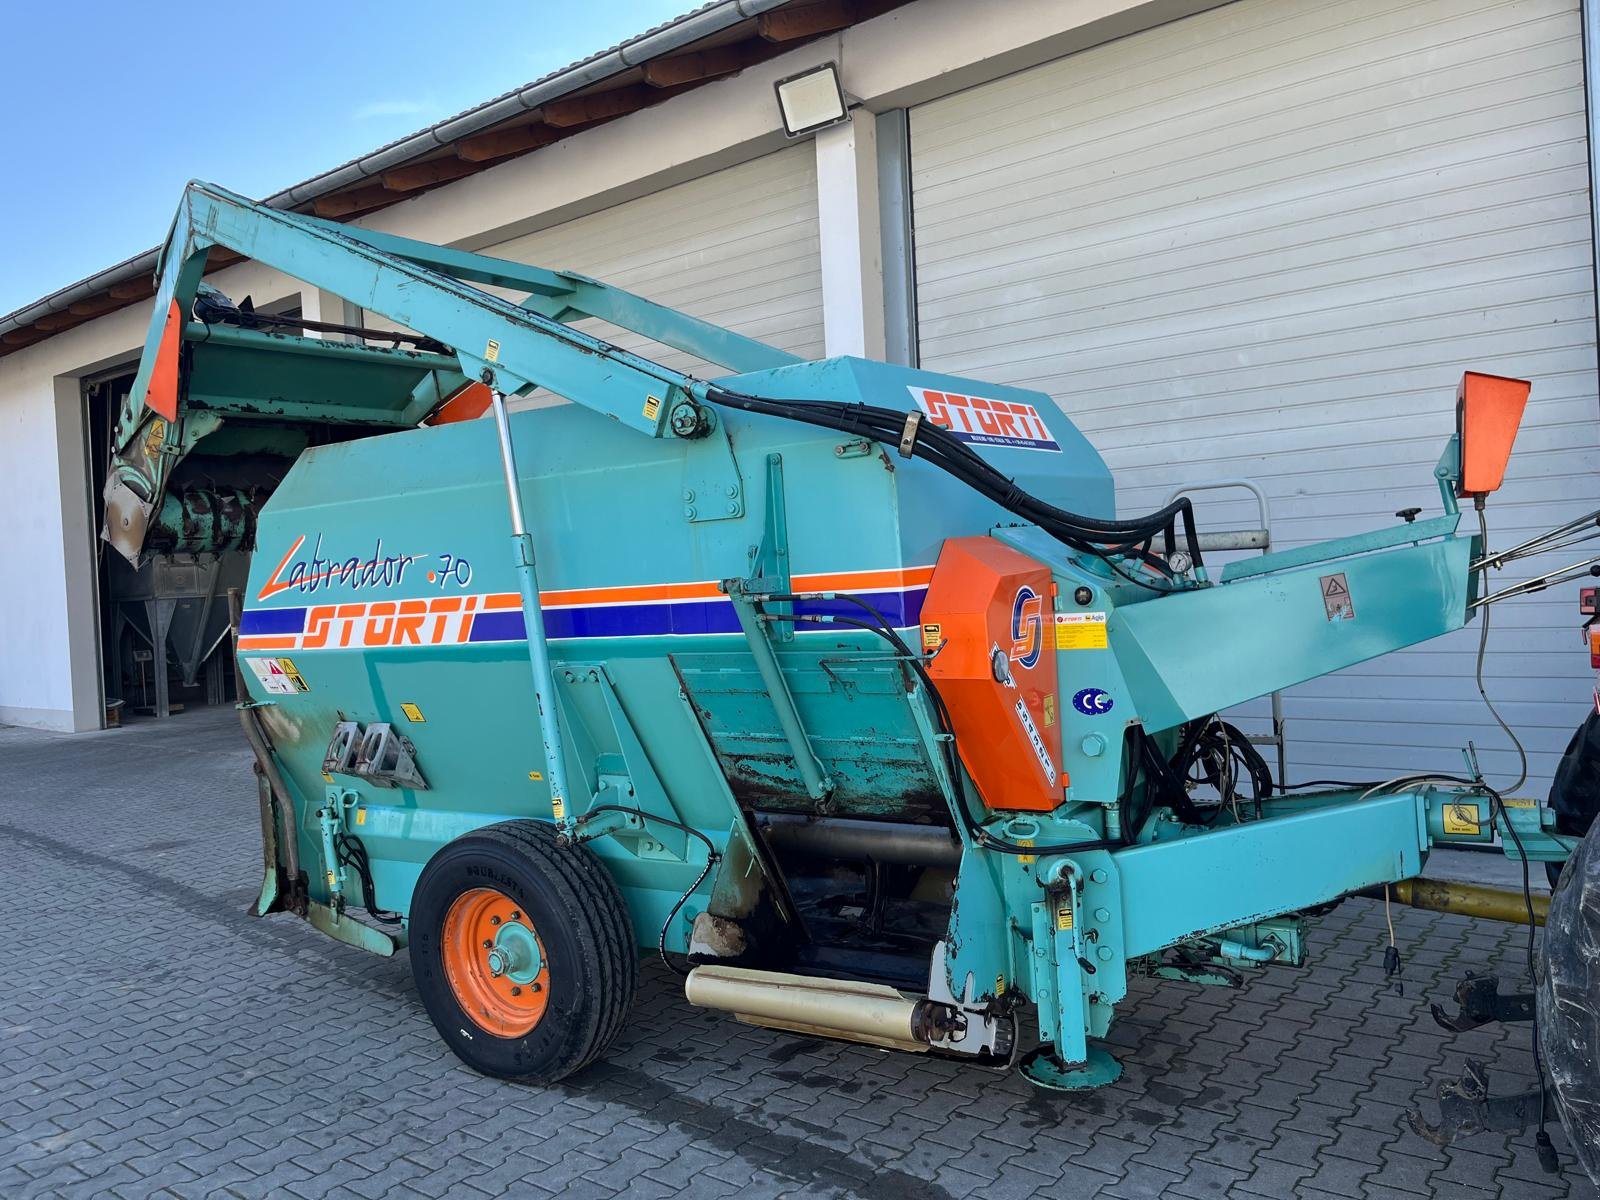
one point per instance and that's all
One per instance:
(1027, 627)
(985, 421)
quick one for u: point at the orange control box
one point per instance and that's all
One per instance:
(989, 615)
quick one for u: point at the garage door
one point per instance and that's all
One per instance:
(1264, 241)
(738, 247)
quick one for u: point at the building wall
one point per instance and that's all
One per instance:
(580, 201)
(35, 672)
(1265, 241)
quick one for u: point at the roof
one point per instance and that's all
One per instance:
(718, 39)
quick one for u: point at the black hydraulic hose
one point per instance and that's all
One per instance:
(1102, 537)
(712, 859)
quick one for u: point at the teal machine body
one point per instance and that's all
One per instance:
(873, 754)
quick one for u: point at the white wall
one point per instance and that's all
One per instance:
(35, 671)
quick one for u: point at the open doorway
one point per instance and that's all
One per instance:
(163, 624)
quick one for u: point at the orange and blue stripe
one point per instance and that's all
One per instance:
(650, 610)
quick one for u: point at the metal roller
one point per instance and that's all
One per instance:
(840, 1008)
(879, 841)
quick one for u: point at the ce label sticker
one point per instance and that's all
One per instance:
(1092, 702)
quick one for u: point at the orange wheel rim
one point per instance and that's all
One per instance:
(495, 962)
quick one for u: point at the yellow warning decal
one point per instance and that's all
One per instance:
(154, 438)
(1461, 819)
(491, 351)
(932, 636)
(536, 776)
(1081, 631)
(1049, 710)
(293, 674)
(558, 807)
(413, 713)
(999, 985)
(1064, 918)
(652, 407)
(1511, 802)
(1026, 858)
(361, 816)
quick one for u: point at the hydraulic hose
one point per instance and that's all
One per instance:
(1105, 538)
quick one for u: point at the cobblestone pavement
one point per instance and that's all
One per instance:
(157, 1040)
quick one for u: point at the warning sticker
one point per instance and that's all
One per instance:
(1461, 819)
(1064, 918)
(278, 676)
(932, 637)
(491, 351)
(413, 713)
(652, 407)
(1336, 601)
(1081, 631)
(154, 438)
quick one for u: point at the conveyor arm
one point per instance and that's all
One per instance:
(431, 289)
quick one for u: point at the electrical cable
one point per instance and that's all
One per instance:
(1483, 644)
(713, 857)
(1319, 783)
(1542, 1138)
(1498, 805)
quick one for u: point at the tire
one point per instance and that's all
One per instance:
(547, 997)
(1568, 998)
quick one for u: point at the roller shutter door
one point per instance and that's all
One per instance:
(1264, 241)
(738, 247)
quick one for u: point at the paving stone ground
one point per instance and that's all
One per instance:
(157, 1040)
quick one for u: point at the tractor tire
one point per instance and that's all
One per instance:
(1568, 999)
(522, 952)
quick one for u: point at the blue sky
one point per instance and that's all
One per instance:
(111, 106)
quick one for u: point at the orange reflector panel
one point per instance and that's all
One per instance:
(467, 404)
(162, 394)
(1488, 412)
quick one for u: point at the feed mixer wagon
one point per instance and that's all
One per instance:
(838, 684)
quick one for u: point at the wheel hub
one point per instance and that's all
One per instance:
(494, 962)
(515, 953)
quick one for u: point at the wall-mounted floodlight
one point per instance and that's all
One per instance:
(811, 100)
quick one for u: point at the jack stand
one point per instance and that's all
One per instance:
(1043, 1069)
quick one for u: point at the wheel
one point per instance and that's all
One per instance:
(1568, 998)
(522, 952)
